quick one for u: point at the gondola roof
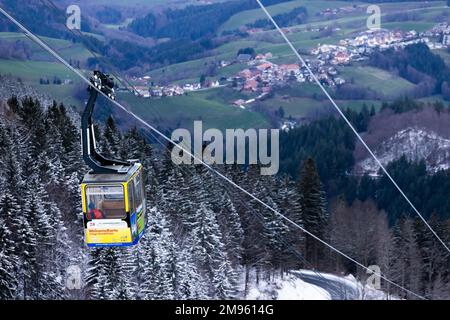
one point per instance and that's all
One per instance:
(112, 177)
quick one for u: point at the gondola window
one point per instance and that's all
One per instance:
(105, 202)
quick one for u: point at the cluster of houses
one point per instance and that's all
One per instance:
(361, 46)
(364, 44)
(442, 31)
(157, 91)
(335, 11)
(262, 75)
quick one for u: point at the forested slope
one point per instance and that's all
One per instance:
(203, 238)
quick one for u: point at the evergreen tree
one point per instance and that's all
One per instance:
(10, 212)
(110, 140)
(434, 262)
(290, 204)
(156, 255)
(313, 209)
(405, 268)
(210, 252)
(188, 282)
(11, 151)
(93, 273)
(9, 263)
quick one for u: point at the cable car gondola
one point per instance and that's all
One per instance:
(113, 194)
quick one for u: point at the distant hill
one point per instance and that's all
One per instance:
(44, 20)
(417, 134)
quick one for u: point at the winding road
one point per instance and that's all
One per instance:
(337, 288)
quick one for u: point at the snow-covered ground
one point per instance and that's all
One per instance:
(350, 284)
(310, 285)
(290, 287)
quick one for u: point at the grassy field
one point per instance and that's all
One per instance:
(67, 49)
(249, 16)
(31, 71)
(300, 107)
(185, 70)
(302, 41)
(212, 107)
(435, 98)
(376, 79)
(125, 23)
(294, 106)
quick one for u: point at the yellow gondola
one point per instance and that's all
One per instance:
(113, 193)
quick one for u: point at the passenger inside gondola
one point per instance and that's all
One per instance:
(94, 213)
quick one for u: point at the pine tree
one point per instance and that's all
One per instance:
(210, 251)
(39, 212)
(10, 212)
(32, 117)
(156, 255)
(189, 284)
(27, 246)
(13, 103)
(289, 203)
(9, 263)
(109, 276)
(405, 268)
(230, 221)
(93, 272)
(255, 242)
(11, 151)
(434, 262)
(110, 140)
(313, 209)
(227, 215)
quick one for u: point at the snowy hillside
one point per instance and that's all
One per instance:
(416, 144)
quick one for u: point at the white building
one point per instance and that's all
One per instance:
(446, 40)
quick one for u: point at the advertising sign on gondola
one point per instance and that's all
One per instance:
(107, 231)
